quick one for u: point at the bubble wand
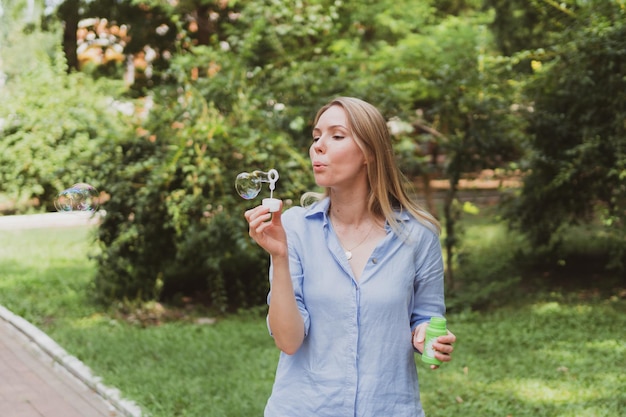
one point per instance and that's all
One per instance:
(248, 185)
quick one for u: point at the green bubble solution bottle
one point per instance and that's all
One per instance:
(436, 328)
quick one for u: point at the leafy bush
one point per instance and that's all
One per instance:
(174, 225)
(51, 125)
(577, 164)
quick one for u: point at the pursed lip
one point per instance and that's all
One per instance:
(317, 166)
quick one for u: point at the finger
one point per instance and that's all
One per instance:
(441, 354)
(445, 340)
(252, 213)
(277, 216)
(443, 348)
(248, 214)
(444, 344)
(256, 221)
(443, 357)
(260, 223)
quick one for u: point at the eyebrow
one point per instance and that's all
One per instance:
(317, 129)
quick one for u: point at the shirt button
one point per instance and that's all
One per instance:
(374, 261)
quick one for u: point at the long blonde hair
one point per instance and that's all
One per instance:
(387, 184)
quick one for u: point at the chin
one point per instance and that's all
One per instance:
(322, 183)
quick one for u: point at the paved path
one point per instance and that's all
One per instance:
(37, 377)
(48, 220)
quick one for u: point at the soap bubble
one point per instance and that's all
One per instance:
(248, 185)
(79, 197)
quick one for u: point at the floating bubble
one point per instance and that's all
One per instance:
(79, 197)
(248, 185)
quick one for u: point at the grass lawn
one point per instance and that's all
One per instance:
(558, 355)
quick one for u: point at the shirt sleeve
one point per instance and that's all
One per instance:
(428, 298)
(295, 270)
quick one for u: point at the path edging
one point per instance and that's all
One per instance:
(72, 364)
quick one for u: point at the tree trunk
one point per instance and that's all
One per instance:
(68, 12)
(450, 226)
(206, 27)
(428, 195)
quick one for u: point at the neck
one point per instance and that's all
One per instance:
(349, 209)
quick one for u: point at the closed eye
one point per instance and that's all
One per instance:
(335, 137)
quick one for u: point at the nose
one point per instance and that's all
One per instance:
(319, 145)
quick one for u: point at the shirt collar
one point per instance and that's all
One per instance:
(320, 209)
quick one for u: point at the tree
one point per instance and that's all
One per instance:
(520, 25)
(242, 92)
(174, 224)
(577, 164)
(69, 12)
(447, 80)
(51, 124)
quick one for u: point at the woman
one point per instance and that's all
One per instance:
(354, 278)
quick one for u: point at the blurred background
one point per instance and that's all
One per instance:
(506, 112)
(508, 118)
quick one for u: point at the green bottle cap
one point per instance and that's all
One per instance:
(438, 323)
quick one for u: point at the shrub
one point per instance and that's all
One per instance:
(174, 225)
(51, 125)
(577, 158)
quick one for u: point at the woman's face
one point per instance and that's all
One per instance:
(336, 158)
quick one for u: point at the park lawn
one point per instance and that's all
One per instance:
(555, 355)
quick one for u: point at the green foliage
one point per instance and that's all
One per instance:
(258, 80)
(465, 111)
(577, 167)
(51, 125)
(497, 266)
(174, 223)
(19, 15)
(237, 89)
(521, 25)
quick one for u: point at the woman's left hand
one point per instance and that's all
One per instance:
(443, 346)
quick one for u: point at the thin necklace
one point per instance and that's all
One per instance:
(348, 252)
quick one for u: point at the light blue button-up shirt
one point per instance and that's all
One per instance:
(357, 358)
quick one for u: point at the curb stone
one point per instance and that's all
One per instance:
(71, 364)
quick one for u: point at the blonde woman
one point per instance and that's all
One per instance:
(355, 276)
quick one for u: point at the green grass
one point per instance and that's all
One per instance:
(558, 355)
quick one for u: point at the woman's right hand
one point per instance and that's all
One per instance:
(266, 229)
